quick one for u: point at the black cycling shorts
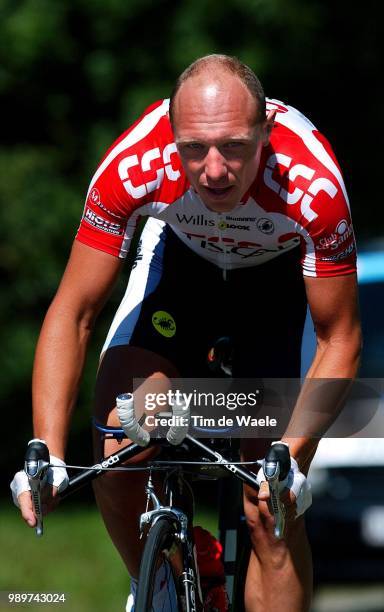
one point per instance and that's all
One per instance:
(177, 305)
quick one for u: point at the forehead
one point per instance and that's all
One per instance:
(212, 107)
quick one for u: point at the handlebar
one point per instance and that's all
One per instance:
(276, 466)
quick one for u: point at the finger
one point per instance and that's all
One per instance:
(49, 499)
(26, 508)
(290, 514)
(48, 493)
(288, 498)
(264, 491)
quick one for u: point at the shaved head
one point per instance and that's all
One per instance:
(215, 72)
(217, 111)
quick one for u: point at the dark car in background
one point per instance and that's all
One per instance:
(346, 521)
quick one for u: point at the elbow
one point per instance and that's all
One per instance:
(86, 320)
(71, 315)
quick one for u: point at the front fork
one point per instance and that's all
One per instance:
(189, 589)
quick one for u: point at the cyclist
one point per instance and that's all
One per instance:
(249, 221)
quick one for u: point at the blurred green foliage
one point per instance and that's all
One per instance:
(73, 75)
(83, 557)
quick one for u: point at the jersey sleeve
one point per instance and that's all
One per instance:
(328, 245)
(103, 227)
(109, 216)
(111, 211)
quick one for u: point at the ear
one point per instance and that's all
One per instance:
(268, 125)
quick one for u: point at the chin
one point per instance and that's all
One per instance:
(220, 207)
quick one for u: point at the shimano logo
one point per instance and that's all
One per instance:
(242, 219)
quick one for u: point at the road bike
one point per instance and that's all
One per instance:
(168, 523)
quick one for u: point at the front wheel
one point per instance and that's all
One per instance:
(160, 541)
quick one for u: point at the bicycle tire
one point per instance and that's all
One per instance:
(161, 537)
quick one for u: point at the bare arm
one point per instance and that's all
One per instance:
(86, 284)
(334, 307)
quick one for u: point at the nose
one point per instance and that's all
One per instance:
(215, 166)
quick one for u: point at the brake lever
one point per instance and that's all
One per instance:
(276, 466)
(36, 465)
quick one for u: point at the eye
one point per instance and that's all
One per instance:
(233, 144)
(194, 146)
(192, 149)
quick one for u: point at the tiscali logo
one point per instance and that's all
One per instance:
(164, 323)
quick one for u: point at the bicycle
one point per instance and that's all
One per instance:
(169, 525)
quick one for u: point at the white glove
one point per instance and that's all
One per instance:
(56, 476)
(297, 483)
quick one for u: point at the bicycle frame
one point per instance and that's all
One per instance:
(206, 458)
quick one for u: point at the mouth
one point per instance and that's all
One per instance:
(218, 193)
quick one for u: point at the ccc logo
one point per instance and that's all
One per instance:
(298, 195)
(145, 163)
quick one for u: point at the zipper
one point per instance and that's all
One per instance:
(221, 228)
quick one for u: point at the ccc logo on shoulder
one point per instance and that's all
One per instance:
(164, 323)
(298, 195)
(139, 191)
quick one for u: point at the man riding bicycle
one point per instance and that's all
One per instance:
(249, 222)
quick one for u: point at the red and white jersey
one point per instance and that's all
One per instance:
(298, 197)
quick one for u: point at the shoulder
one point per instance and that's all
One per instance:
(151, 128)
(295, 139)
(138, 166)
(297, 165)
(300, 179)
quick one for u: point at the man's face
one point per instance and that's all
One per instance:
(217, 139)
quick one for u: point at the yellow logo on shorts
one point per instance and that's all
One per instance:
(164, 323)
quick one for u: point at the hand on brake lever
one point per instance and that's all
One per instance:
(295, 491)
(55, 480)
